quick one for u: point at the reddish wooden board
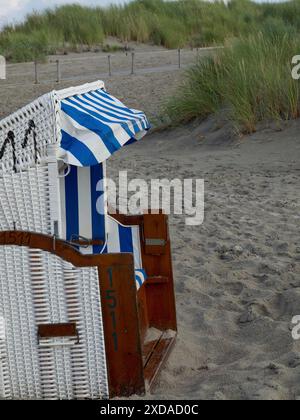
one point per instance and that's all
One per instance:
(158, 355)
(122, 333)
(156, 298)
(159, 290)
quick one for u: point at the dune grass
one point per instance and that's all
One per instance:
(171, 24)
(250, 81)
(43, 34)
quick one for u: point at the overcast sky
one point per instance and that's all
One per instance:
(15, 10)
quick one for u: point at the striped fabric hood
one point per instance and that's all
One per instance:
(94, 125)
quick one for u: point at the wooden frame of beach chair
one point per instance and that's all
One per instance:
(156, 299)
(133, 363)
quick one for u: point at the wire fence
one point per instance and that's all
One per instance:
(95, 65)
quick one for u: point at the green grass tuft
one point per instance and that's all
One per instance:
(250, 80)
(171, 24)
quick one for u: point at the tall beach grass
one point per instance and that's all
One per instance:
(250, 81)
(171, 24)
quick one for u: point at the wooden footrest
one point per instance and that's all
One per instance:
(155, 354)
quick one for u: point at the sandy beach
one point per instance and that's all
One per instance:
(237, 275)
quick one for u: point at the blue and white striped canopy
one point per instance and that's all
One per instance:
(83, 216)
(94, 125)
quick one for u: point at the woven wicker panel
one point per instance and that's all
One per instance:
(16, 308)
(5, 390)
(38, 120)
(25, 202)
(39, 288)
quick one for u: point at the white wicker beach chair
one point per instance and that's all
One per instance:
(74, 306)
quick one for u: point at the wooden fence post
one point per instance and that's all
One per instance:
(58, 72)
(179, 57)
(36, 76)
(109, 65)
(132, 62)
